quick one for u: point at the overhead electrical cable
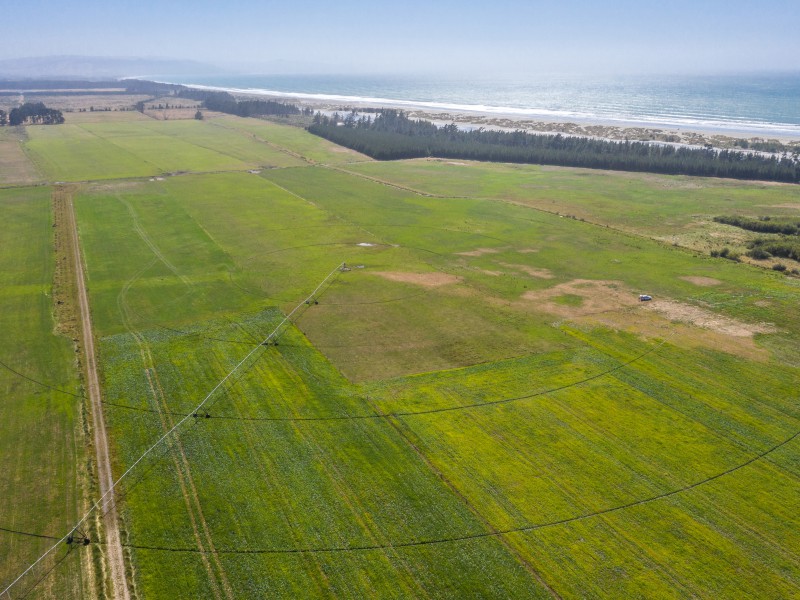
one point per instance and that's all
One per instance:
(158, 442)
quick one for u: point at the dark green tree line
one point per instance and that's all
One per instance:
(392, 135)
(226, 103)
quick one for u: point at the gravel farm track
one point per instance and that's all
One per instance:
(108, 508)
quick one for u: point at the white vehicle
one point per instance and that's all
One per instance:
(644, 298)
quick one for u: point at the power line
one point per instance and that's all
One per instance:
(430, 410)
(29, 534)
(483, 534)
(158, 442)
(40, 383)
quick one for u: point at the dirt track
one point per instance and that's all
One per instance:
(108, 508)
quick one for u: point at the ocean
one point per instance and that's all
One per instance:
(759, 105)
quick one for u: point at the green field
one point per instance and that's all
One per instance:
(670, 208)
(42, 457)
(478, 406)
(128, 149)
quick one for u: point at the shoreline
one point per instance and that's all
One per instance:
(716, 134)
(623, 131)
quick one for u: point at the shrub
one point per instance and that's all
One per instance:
(759, 254)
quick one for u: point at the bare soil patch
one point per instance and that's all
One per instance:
(701, 281)
(527, 250)
(423, 279)
(538, 272)
(612, 304)
(479, 252)
(789, 205)
(653, 325)
(705, 319)
(598, 296)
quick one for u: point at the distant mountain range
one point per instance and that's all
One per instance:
(104, 68)
(95, 67)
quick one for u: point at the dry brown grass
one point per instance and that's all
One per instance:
(479, 252)
(423, 279)
(76, 118)
(15, 166)
(651, 324)
(705, 319)
(701, 281)
(65, 302)
(539, 273)
(100, 102)
(598, 296)
(612, 304)
(789, 205)
(179, 114)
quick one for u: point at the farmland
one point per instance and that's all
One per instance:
(477, 405)
(42, 458)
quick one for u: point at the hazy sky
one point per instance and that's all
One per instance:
(494, 37)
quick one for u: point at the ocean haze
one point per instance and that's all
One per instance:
(93, 67)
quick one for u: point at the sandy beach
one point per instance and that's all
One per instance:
(619, 130)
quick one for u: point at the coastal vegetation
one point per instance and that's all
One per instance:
(226, 103)
(475, 404)
(392, 135)
(766, 248)
(784, 241)
(764, 224)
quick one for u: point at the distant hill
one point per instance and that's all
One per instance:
(95, 67)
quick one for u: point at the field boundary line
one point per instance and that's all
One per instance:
(396, 186)
(102, 501)
(273, 145)
(116, 559)
(324, 210)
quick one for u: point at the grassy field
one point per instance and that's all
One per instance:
(43, 456)
(115, 149)
(477, 406)
(15, 167)
(670, 208)
(309, 147)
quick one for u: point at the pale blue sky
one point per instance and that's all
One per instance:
(499, 37)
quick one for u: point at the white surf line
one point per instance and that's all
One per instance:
(100, 501)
